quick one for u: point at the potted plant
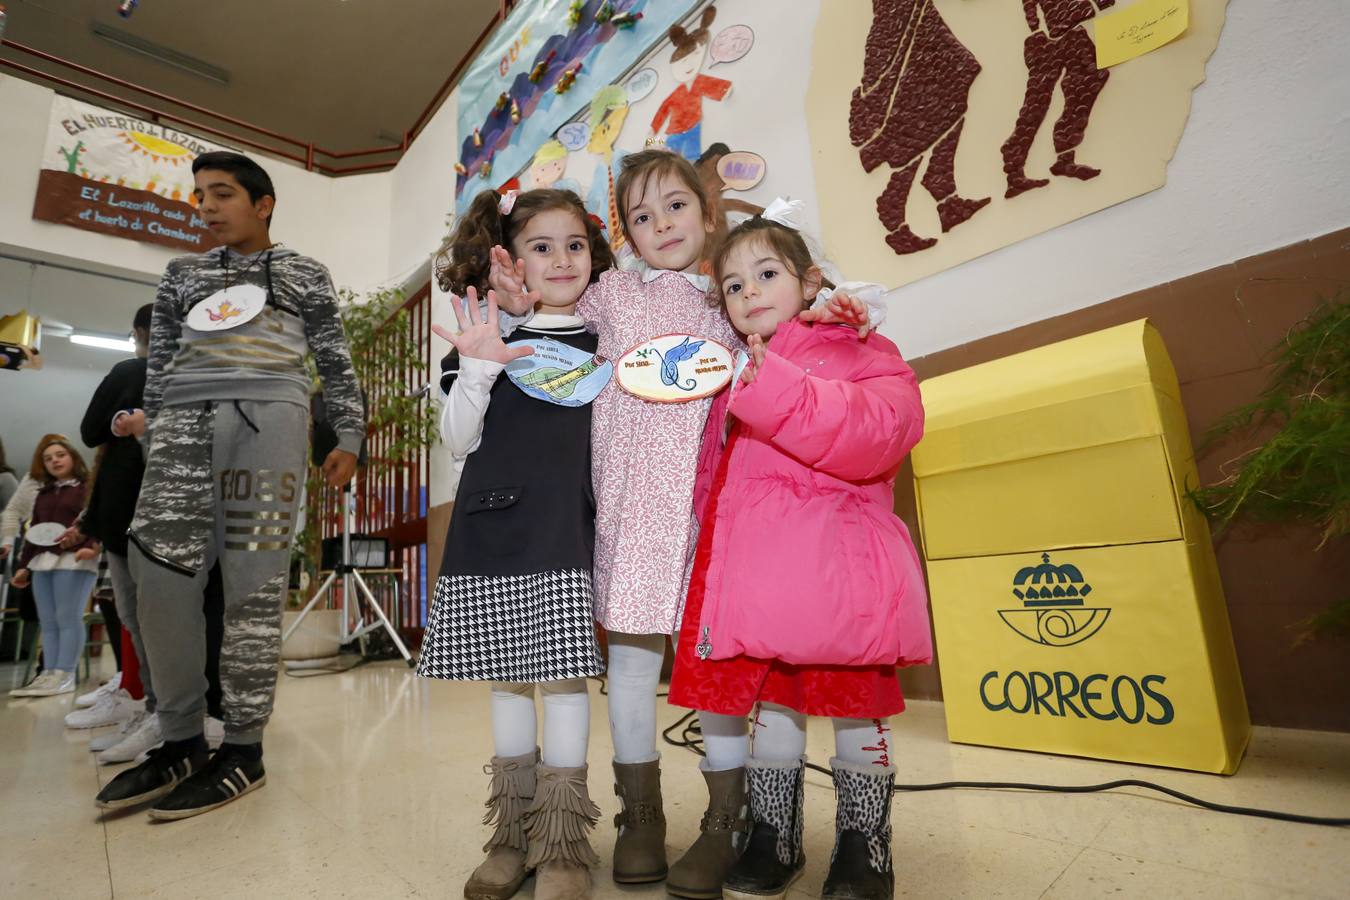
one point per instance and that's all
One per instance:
(1301, 473)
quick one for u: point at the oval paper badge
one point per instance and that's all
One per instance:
(559, 373)
(228, 308)
(675, 368)
(45, 535)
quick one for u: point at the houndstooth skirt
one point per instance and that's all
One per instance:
(523, 628)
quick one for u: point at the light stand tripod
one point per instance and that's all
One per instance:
(349, 575)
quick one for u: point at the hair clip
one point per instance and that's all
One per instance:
(507, 203)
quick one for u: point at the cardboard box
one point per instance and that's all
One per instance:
(1064, 559)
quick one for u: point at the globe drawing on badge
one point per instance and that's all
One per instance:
(1053, 613)
(675, 368)
(229, 308)
(558, 373)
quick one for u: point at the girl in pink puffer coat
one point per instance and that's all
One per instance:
(806, 590)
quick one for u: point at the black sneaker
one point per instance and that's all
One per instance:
(231, 773)
(166, 767)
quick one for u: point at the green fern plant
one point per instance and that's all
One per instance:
(1302, 472)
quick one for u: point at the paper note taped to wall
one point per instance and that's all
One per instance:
(1138, 29)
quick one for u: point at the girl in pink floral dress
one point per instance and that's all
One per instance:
(644, 462)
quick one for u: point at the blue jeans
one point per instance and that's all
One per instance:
(61, 596)
(688, 144)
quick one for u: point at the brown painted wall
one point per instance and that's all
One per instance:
(1219, 326)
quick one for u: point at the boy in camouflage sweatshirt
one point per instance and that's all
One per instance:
(226, 423)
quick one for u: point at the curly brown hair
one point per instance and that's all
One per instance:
(465, 261)
(38, 470)
(783, 242)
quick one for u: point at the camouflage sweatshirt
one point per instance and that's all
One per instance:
(263, 359)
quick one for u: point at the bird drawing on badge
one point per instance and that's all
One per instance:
(670, 363)
(224, 312)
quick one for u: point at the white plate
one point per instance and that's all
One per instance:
(45, 535)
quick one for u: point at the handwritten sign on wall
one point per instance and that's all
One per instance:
(1139, 29)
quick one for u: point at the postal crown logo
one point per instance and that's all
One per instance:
(1053, 611)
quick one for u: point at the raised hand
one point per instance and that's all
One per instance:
(507, 278)
(756, 350)
(479, 337)
(842, 309)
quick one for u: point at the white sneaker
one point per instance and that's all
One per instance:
(108, 687)
(62, 683)
(214, 731)
(113, 738)
(37, 687)
(111, 709)
(40, 686)
(144, 738)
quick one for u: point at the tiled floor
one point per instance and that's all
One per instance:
(375, 790)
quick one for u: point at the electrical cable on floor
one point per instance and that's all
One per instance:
(342, 663)
(691, 738)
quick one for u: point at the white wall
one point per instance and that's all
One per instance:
(1264, 162)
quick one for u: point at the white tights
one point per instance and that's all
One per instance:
(780, 736)
(780, 733)
(634, 672)
(567, 721)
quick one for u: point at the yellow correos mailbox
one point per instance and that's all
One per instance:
(1076, 598)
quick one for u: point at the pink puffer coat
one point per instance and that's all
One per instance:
(809, 563)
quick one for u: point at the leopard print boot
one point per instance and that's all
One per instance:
(860, 868)
(773, 858)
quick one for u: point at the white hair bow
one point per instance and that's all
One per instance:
(508, 202)
(784, 211)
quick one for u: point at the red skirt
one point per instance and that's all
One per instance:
(733, 686)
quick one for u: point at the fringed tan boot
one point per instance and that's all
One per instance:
(513, 790)
(557, 829)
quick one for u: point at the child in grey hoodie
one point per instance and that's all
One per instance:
(226, 423)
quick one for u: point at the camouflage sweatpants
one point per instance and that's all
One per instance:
(222, 482)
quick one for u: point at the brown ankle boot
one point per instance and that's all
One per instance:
(504, 871)
(700, 872)
(557, 828)
(640, 850)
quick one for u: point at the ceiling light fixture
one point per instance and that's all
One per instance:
(103, 343)
(158, 52)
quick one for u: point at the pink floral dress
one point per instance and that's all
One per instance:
(644, 456)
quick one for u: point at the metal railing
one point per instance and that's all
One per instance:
(392, 502)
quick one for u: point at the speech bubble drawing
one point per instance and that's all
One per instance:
(742, 170)
(641, 84)
(574, 135)
(731, 44)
